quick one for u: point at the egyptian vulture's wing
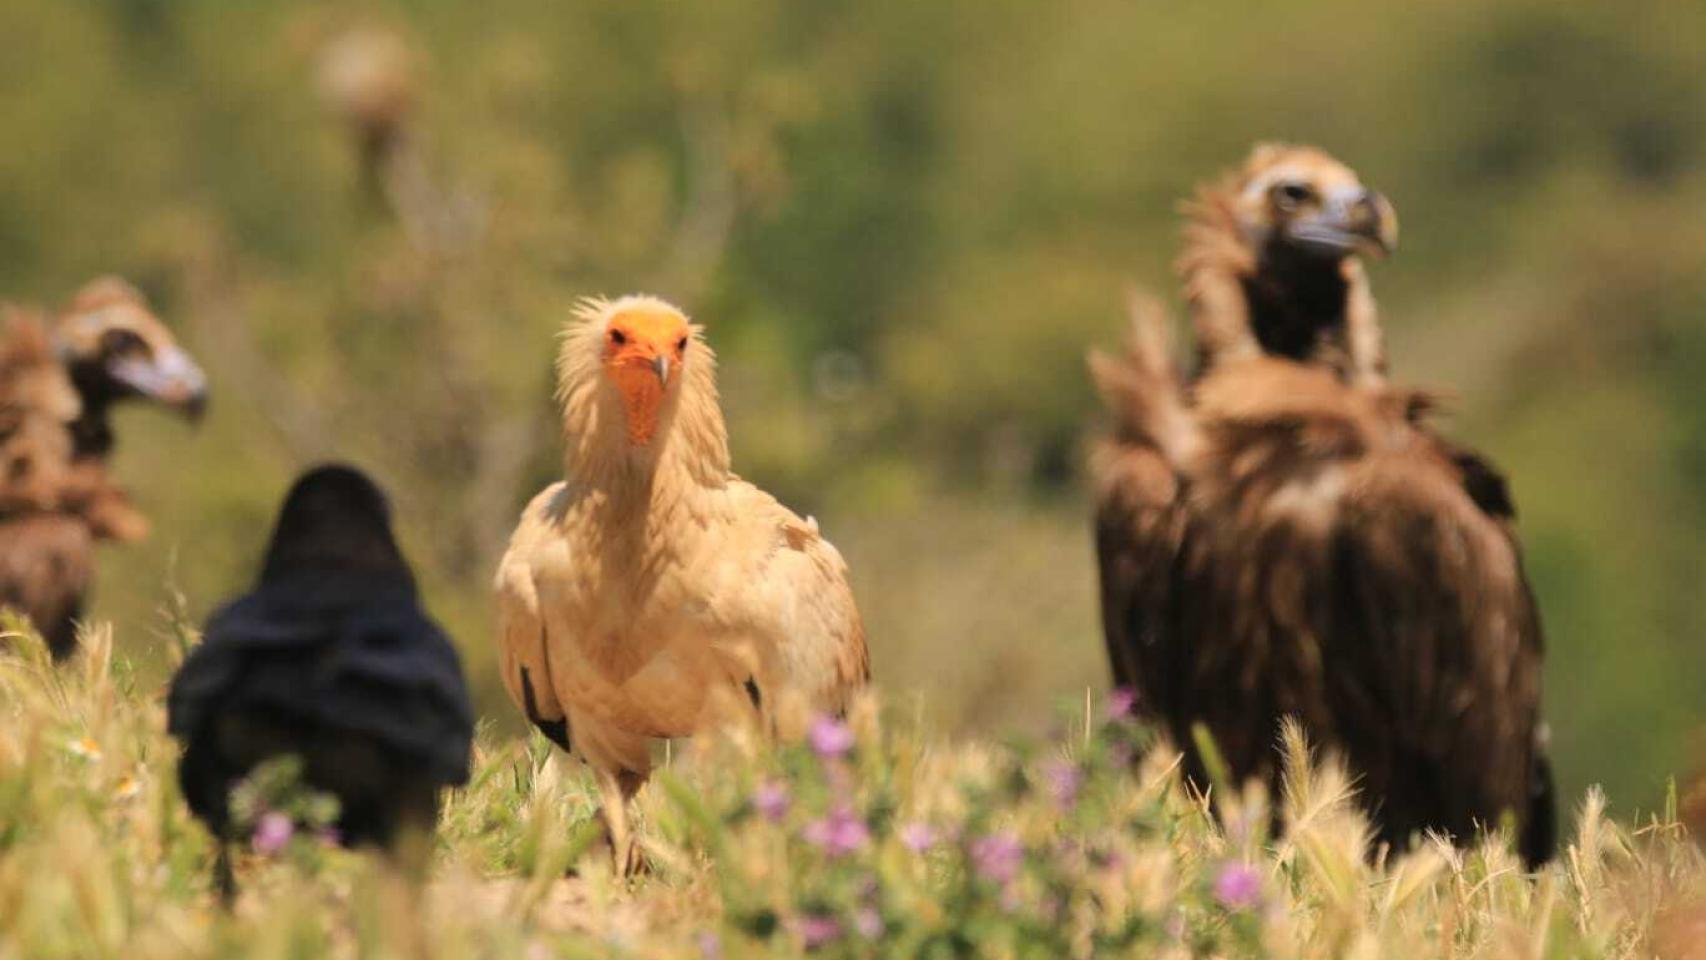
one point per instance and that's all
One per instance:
(522, 643)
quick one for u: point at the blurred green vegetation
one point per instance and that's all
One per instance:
(903, 223)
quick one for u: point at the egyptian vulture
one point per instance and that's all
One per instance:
(652, 592)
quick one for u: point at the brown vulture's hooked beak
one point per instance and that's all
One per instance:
(1352, 220)
(1375, 223)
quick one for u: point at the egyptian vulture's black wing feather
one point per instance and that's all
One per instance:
(332, 659)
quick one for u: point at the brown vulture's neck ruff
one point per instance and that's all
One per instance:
(92, 432)
(1297, 303)
(689, 448)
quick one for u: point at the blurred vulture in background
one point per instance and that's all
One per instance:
(117, 351)
(330, 659)
(59, 382)
(1285, 536)
(1272, 263)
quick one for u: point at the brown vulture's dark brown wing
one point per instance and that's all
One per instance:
(1138, 525)
(1140, 506)
(1344, 567)
(1436, 644)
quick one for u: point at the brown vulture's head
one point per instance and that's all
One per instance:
(1300, 200)
(116, 350)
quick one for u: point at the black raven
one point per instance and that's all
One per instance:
(331, 659)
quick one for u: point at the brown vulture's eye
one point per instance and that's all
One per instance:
(1292, 195)
(618, 337)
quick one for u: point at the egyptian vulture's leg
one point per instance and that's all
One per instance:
(615, 789)
(620, 762)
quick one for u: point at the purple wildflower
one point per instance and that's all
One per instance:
(869, 923)
(817, 929)
(272, 832)
(1064, 780)
(1238, 886)
(1119, 755)
(710, 945)
(997, 857)
(830, 738)
(1121, 702)
(840, 833)
(1112, 861)
(918, 837)
(771, 800)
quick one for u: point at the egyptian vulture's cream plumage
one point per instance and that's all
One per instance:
(651, 589)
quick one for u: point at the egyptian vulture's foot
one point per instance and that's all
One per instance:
(630, 861)
(627, 860)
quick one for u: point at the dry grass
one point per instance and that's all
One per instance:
(1057, 848)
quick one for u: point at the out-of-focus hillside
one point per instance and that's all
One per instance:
(903, 223)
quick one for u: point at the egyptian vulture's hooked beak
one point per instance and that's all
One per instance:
(1352, 220)
(660, 366)
(169, 377)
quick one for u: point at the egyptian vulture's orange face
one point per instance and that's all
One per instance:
(645, 349)
(1304, 199)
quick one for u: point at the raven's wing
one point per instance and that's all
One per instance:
(333, 653)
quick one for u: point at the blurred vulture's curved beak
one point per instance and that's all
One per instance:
(168, 377)
(1352, 220)
(1373, 220)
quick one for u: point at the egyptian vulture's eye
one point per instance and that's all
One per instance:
(618, 337)
(1292, 195)
(681, 345)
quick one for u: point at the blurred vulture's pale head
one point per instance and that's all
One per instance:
(1301, 200)
(117, 349)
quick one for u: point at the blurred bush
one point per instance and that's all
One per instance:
(903, 224)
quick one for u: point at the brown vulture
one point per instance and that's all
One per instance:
(58, 384)
(1285, 536)
(329, 658)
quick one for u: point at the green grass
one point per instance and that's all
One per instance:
(907, 845)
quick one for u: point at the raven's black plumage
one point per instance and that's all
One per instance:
(331, 658)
